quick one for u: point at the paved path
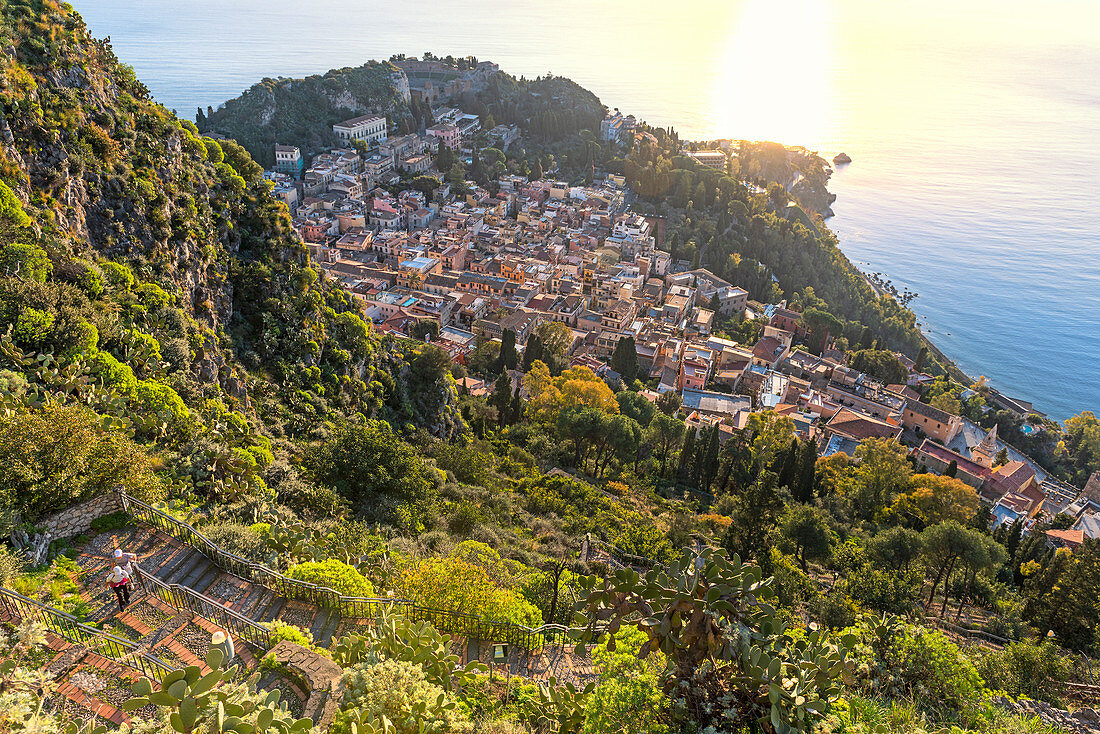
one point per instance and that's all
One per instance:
(176, 563)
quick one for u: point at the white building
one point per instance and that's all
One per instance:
(369, 128)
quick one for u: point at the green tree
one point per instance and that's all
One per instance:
(508, 357)
(625, 359)
(55, 456)
(532, 352)
(882, 471)
(665, 434)
(502, 399)
(896, 548)
(669, 402)
(444, 158)
(636, 406)
(426, 185)
(375, 470)
(808, 533)
(943, 546)
(757, 510)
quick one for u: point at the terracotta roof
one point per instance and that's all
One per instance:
(768, 348)
(1013, 475)
(859, 426)
(1071, 538)
(928, 411)
(946, 455)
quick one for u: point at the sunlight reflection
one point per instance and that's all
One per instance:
(774, 83)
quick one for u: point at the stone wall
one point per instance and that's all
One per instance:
(77, 519)
(323, 677)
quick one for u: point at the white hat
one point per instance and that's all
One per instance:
(117, 570)
(118, 553)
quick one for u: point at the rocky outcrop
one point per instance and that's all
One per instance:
(1081, 721)
(842, 159)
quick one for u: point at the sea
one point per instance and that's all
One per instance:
(973, 126)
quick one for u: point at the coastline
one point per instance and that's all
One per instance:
(952, 369)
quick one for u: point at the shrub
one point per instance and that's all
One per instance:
(239, 539)
(160, 399)
(334, 574)
(11, 209)
(89, 279)
(1026, 669)
(400, 692)
(153, 296)
(903, 661)
(281, 631)
(10, 564)
(56, 456)
(473, 584)
(114, 521)
(29, 261)
(464, 518)
(629, 694)
(33, 327)
(118, 275)
(113, 373)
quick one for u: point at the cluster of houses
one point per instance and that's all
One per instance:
(485, 262)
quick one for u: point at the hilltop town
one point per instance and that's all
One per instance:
(433, 256)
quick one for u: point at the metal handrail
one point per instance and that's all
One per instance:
(468, 625)
(185, 598)
(116, 649)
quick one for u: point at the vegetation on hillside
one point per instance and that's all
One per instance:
(162, 328)
(302, 112)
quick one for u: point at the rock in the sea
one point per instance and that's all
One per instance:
(841, 159)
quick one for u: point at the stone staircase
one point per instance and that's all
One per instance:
(175, 563)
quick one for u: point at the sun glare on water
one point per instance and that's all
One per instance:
(772, 83)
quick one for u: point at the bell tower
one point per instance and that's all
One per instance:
(986, 451)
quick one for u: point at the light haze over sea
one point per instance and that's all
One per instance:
(974, 126)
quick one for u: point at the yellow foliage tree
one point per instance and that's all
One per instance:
(932, 500)
(575, 387)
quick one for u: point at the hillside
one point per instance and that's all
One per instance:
(302, 111)
(329, 490)
(154, 267)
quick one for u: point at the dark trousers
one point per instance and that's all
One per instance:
(122, 593)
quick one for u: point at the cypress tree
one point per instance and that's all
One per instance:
(687, 456)
(502, 398)
(952, 469)
(625, 359)
(807, 472)
(710, 459)
(516, 408)
(509, 357)
(788, 465)
(533, 352)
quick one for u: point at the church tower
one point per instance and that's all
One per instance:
(986, 452)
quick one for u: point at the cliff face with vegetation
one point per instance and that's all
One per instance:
(302, 111)
(160, 280)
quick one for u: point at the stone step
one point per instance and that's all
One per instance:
(329, 630)
(190, 571)
(273, 609)
(203, 583)
(320, 622)
(175, 562)
(257, 598)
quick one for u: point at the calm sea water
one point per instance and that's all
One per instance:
(974, 126)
